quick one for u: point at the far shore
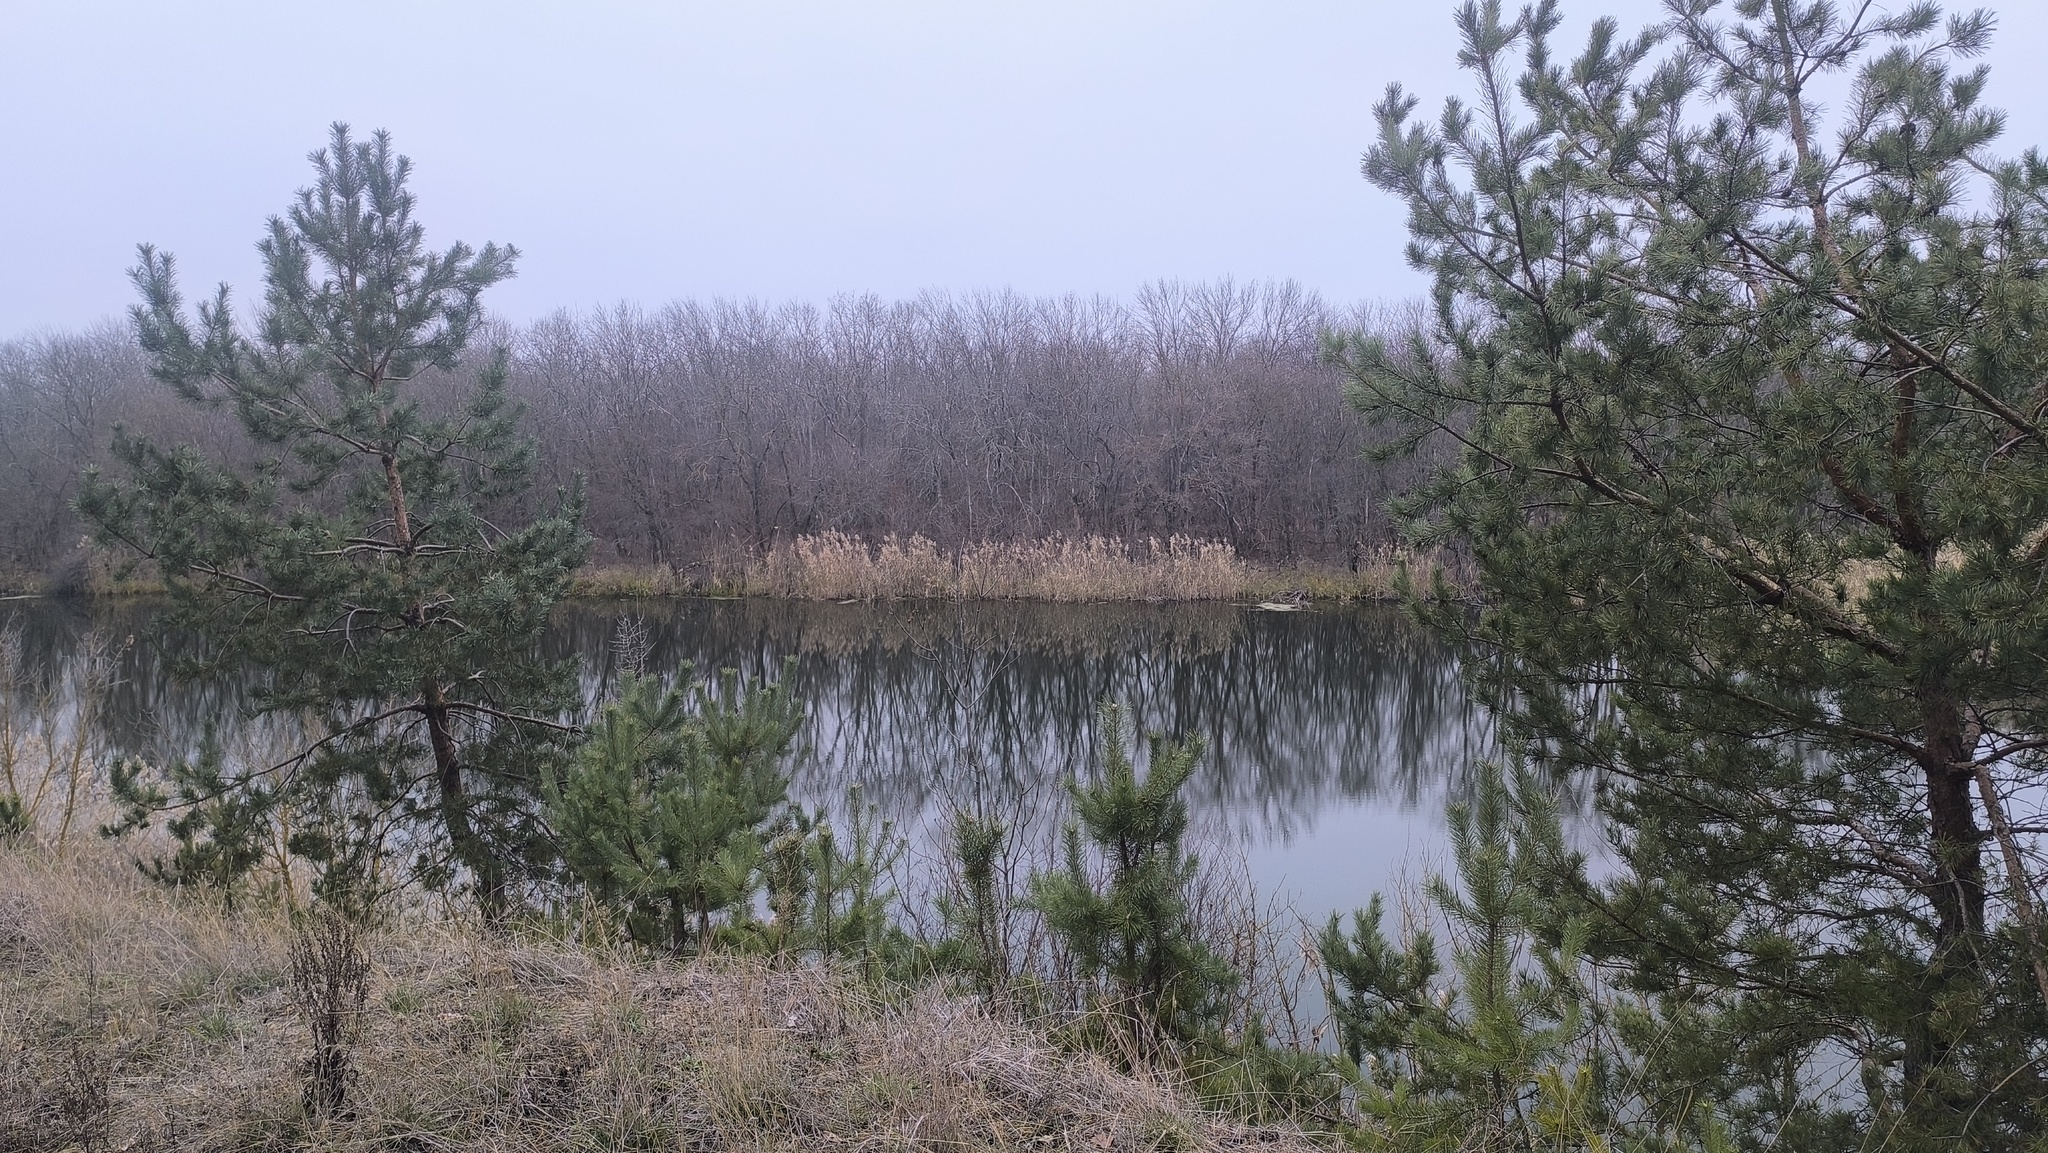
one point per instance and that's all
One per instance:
(840, 567)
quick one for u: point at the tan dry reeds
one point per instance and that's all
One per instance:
(180, 1018)
(842, 566)
(839, 566)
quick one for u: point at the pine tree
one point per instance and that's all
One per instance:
(849, 909)
(664, 814)
(1501, 1048)
(1747, 408)
(1133, 930)
(974, 942)
(368, 569)
(221, 822)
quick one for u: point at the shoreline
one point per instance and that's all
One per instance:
(838, 567)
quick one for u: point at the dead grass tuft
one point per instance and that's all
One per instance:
(131, 1018)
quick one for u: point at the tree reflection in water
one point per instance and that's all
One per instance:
(1335, 735)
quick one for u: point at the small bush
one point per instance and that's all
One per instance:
(661, 815)
(330, 981)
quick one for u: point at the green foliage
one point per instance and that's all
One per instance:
(221, 822)
(830, 895)
(973, 941)
(1465, 1059)
(1745, 408)
(1121, 903)
(661, 814)
(14, 822)
(675, 815)
(1379, 994)
(1513, 1045)
(367, 566)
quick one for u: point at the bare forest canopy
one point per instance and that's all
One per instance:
(705, 432)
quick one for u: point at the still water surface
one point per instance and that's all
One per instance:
(1336, 736)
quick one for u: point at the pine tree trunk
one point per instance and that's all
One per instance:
(1957, 892)
(469, 848)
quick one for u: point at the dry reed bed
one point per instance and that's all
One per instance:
(131, 1019)
(842, 566)
(1057, 569)
(837, 566)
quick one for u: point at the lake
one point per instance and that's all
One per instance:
(1336, 735)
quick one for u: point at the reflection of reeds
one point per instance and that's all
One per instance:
(807, 628)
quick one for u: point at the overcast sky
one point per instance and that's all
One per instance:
(650, 151)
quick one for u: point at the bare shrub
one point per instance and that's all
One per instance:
(56, 1070)
(330, 981)
(83, 1098)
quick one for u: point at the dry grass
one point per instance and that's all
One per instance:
(132, 1019)
(616, 581)
(836, 566)
(1377, 577)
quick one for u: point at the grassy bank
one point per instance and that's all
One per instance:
(133, 1019)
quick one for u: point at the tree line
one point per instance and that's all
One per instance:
(707, 430)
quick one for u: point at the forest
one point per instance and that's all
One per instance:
(704, 432)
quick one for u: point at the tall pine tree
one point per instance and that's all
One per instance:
(362, 569)
(1739, 335)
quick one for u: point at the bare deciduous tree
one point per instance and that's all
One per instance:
(709, 428)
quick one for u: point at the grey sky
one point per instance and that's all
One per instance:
(649, 151)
